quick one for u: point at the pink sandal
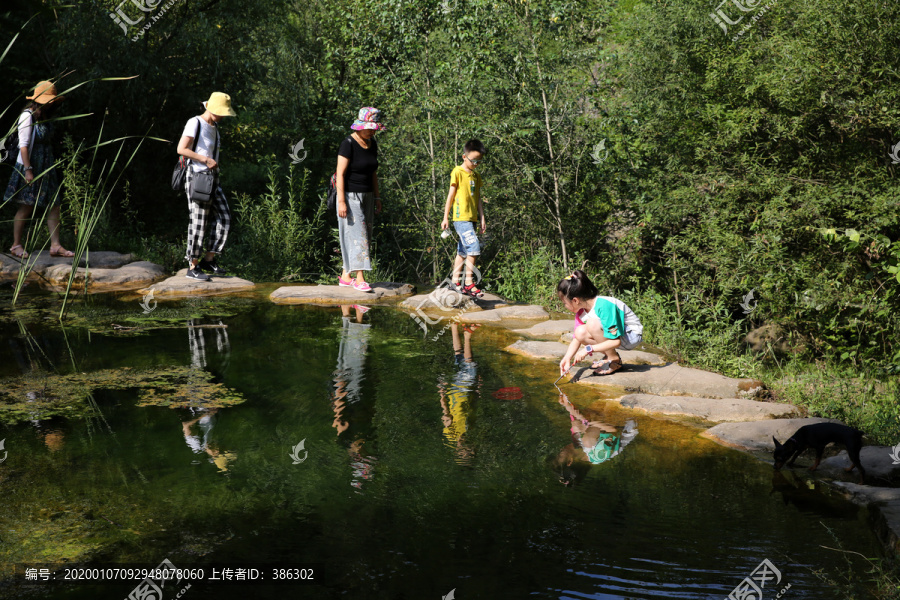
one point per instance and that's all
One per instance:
(61, 252)
(20, 253)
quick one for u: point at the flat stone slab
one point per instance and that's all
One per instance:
(556, 350)
(757, 436)
(335, 294)
(548, 330)
(716, 410)
(179, 286)
(884, 502)
(876, 460)
(451, 303)
(107, 272)
(669, 380)
(507, 313)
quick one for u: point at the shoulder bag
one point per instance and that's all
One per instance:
(179, 174)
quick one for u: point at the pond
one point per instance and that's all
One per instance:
(359, 460)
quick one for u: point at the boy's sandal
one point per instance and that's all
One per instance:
(471, 290)
(612, 367)
(61, 252)
(18, 251)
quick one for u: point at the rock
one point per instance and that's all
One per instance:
(335, 294)
(548, 330)
(446, 301)
(556, 350)
(769, 335)
(508, 313)
(179, 286)
(876, 460)
(132, 276)
(717, 410)
(883, 502)
(667, 380)
(109, 271)
(757, 436)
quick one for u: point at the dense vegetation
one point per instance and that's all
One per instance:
(685, 165)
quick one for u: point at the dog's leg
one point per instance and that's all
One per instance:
(819, 452)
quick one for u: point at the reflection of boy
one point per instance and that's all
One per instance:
(455, 399)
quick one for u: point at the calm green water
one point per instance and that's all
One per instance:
(413, 479)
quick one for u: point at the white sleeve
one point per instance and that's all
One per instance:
(25, 129)
(190, 128)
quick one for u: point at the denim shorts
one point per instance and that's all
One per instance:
(468, 242)
(631, 339)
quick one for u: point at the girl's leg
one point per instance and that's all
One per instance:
(592, 333)
(221, 225)
(53, 226)
(22, 216)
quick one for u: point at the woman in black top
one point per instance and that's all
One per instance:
(357, 196)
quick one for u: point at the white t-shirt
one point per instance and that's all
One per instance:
(26, 133)
(205, 144)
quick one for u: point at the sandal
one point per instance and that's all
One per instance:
(20, 253)
(612, 367)
(61, 252)
(471, 290)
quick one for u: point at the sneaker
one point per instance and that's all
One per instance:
(361, 286)
(211, 266)
(197, 274)
(344, 283)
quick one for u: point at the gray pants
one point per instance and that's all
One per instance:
(356, 231)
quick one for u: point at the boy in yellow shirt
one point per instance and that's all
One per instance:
(465, 199)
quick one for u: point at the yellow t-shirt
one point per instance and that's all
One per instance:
(468, 194)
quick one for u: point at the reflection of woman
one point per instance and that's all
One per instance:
(455, 397)
(348, 380)
(356, 182)
(34, 159)
(593, 442)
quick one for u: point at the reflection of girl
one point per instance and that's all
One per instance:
(200, 444)
(593, 442)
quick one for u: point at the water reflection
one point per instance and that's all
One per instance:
(593, 442)
(455, 395)
(348, 377)
(198, 429)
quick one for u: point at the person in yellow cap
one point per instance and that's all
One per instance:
(34, 181)
(200, 143)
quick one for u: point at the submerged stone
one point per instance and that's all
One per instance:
(716, 410)
(98, 272)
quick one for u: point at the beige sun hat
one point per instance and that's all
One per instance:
(219, 104)
(44, 93)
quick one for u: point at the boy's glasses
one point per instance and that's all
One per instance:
(474, 162)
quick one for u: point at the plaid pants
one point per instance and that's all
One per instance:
(199, 220)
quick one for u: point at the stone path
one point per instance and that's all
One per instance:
(107, 272)
(335, 294)
(179, 286)
(716, 410)
(884, 503)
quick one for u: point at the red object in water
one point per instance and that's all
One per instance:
(510, 393)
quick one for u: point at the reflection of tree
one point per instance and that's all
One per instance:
(455, 396)
(593, 442)
(348, 377)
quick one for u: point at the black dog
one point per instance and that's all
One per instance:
(818, 436)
